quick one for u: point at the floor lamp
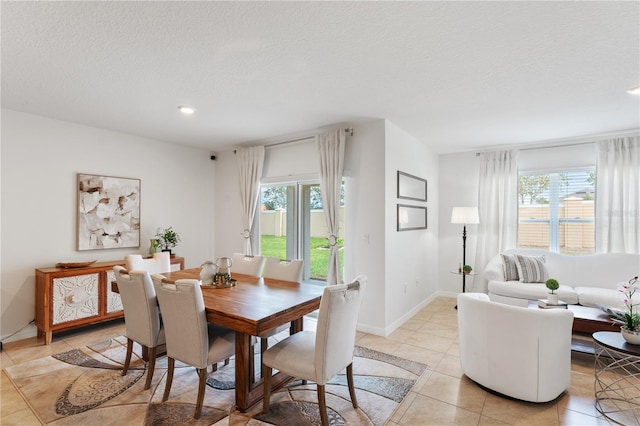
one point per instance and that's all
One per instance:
(465, 216)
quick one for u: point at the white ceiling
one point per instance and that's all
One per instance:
(456, 75)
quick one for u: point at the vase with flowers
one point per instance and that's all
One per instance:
(630, 317)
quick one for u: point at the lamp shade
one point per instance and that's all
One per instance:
(465, 215)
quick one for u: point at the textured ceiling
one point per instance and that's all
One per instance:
(456, 75)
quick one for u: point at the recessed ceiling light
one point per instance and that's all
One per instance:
(186, 109)
(634, 91)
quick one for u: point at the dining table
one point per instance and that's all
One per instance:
(253, 306)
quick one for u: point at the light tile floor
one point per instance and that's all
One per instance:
(443, 396)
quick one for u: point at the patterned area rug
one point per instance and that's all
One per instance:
(86, 387)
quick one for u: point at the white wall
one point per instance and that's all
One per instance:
(365, 219)
(458, 188)
(411, 257)
(40, 159)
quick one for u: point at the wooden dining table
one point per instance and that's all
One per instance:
(251, 307)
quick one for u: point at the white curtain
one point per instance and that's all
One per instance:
(497, 208)
(331, 153)
(618, 195)
(250, 162)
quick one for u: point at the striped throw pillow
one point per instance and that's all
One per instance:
(531, 269)
(509, 268)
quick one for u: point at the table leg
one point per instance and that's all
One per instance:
(249, 393)
(244, 364)
(296, 325)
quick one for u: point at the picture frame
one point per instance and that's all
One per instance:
(411, 187)
(108, 212)
(411, 217)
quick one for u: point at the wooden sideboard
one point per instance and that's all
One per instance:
(74, 297)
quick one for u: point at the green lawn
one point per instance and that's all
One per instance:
(272, 246)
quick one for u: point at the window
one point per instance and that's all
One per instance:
(556, 211)
(292, 226)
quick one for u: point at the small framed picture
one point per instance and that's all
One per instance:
(411, 187)
(108, 212)
(411, 217)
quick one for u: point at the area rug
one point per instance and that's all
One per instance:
(85, 386)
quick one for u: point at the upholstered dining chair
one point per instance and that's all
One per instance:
(283, 269)
(141, 316)
(190, 338)
(158, 264)
(319, 356)
(247, 264)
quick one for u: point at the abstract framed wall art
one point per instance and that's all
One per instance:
(108, 212)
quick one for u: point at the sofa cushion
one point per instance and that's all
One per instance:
(596, 297)
(531, 291)
(509, 267)
(531, 269)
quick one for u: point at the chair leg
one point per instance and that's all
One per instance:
(150, 368)
(324, 419)
(264, 345)
(127, 358)
(167, 386)
(266, 382)
(202, 374)
(352, 389)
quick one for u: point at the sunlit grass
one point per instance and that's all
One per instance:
(272, 246)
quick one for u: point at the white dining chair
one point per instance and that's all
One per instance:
(319, 356)
(141, 316)
(280, 269)
(247, 264)
(190, 338)
(283, 269)
(158, 264)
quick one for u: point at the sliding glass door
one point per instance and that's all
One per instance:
(292, 226)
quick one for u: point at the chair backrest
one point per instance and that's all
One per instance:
(158, 264)
(282, 269)
(141, 312)
(521, 352)
(247, 264)
(185, 320)
(336, 328)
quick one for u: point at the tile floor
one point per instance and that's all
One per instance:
(443, 396)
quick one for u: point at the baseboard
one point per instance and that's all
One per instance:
(384, 332)
(29, 331)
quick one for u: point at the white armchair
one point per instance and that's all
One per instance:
(519, 352)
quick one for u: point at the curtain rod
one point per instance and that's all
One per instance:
(531, 148)
(348, 130)
(586, 140)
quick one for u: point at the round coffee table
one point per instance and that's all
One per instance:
(617, 377)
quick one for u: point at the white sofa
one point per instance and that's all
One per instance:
(586, 280)
(519, 352)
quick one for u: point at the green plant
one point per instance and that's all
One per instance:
(629, 319)
(467, 268)
(168, 238)
(552, 284)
